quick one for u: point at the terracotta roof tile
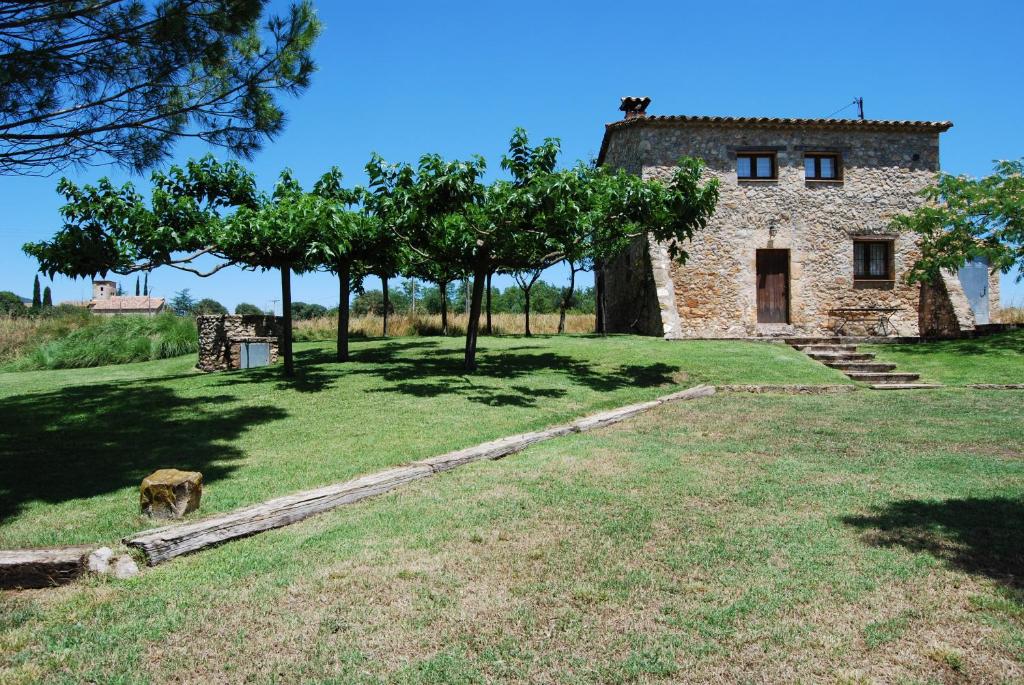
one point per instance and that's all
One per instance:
(127, 302)
(775, 122)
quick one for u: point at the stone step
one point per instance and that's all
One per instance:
(905, 386)
(812, 341)
(826, 348)
(889, 377)
(861, 367)
(841, 356)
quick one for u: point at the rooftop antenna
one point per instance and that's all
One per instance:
(860, 107)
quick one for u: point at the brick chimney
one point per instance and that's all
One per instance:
(634, 107)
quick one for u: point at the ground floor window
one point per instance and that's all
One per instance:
(872, 260)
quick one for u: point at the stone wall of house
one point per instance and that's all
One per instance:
(221, 338)
(714, 294)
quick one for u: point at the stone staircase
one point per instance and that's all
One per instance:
(860, 366)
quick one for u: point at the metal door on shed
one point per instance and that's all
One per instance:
(974, 279)
(255, 354)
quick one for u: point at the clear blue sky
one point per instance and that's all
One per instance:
(406, 78)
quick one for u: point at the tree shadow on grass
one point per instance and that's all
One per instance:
(436, 373)
(983, 537)
(88, 440)
(421, 368)
(1001, 343)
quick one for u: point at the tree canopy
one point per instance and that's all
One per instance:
(966, 218)
(121, 80)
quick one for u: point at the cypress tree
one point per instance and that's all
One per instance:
(145, 284)
(136, 286)
(36, 302)
(47, 297)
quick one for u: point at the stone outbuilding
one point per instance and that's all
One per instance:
(802, 232)
(237, 342)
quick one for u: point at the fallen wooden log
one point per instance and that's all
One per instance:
(35, 568)
(161, 544)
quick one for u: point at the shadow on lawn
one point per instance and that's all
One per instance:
(420, 369)
(88, 440)
(1009, 342)
(980, 536)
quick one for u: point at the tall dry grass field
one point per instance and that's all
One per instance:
(325, 327)
(1010, 315)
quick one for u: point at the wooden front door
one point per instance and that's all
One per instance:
(773, 286)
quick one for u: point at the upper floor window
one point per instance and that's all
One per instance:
(822, 167)
(756, 165)
(872, 260)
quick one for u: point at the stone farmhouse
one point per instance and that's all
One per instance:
(105, 301)
(801, 241)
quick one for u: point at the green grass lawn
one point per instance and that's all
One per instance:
(864, 537)
(74, 444)
(991, 359)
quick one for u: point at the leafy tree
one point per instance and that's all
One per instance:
(207, 208)
(370, 302)
(37, 301)
(303, 310)
(342, 244)
(122, 80)
(47, 298)
(966, 218)
(209, 306)
(278, 232)
(10, 304)
(183, 304)
(246, 309)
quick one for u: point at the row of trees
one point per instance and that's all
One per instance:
(545, 298)
(437, 221)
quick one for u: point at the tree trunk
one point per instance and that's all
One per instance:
(489, 330)
(599, 297)
(473, 325)
(286, 312)
(443, 288)
(566, 300)
(526, 309)
(384, 289)
(344, 281)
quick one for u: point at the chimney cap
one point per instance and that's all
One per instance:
(634, 106)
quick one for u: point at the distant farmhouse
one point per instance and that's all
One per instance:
(800, 243)
(107, 302)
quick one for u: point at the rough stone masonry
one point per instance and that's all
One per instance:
(221, 338)
(812, 223)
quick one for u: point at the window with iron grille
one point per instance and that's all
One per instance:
(872, 260)
(756, 166)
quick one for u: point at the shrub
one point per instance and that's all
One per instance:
(11, 304)
(208, 306)
(246, 309)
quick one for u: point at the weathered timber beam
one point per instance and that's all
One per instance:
(161, 544)
(35, 568)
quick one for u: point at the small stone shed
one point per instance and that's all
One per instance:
(237, 342)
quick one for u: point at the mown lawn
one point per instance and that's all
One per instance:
(991, 359)
(75, 444)
(866, 537)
